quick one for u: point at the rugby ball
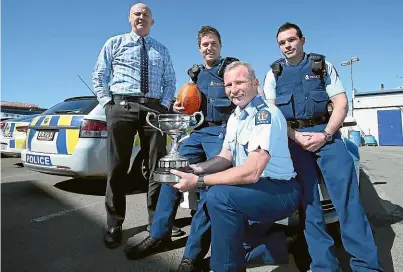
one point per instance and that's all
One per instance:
(190, 97)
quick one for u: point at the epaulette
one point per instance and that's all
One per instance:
(224, 62)
(277, 67)
(316, 55)
(194, 72)
(259, 103)
(281, 60)
(318, 64)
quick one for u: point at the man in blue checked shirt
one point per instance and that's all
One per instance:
(132, 76)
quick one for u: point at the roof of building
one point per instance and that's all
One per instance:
(18, 105)
(380, 92)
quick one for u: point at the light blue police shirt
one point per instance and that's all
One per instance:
(264, 128)
(333, 83)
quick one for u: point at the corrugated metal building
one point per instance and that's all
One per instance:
(380, 114)
(17, 109)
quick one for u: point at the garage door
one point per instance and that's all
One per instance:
(390, 127)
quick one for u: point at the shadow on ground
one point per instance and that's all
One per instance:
(93, 186)
(381, 215)
(71, 242)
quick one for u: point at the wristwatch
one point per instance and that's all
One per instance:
(328, 136)
(200, 182)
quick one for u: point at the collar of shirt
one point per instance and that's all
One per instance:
(242, 114)
(217, 62)
(302, 61)
(136, 37)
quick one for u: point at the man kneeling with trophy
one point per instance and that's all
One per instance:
(252, 180)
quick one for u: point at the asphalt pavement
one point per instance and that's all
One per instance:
(52, 223)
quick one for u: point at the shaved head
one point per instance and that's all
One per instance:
(141, 19)
(140, 6)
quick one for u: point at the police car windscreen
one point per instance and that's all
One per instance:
(70, 107)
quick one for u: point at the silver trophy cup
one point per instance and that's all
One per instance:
(172, 125)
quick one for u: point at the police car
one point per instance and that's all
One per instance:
(13, 133)
(69, 139)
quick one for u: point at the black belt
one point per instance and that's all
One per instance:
(302, 123)
(211, 124)
(136, 99)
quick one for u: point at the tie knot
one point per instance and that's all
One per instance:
(142, 41)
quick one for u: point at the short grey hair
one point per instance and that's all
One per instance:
(233, 65)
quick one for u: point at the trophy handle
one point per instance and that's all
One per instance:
(201, 118)
(155, 117)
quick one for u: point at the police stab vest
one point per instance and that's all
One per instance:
(215, 106)
(300, 89)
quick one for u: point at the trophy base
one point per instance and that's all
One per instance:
(163, 175)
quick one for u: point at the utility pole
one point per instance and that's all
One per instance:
(350, 63)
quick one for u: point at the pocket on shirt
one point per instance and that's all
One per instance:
(230, 138)
(244, 139)
(156, 61)
(284, 103)
(319, 101)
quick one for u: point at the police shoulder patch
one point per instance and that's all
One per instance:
(263, 117)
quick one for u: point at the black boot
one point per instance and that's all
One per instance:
(113, 237)
(147, 247)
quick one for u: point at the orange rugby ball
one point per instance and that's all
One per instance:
(190, 97)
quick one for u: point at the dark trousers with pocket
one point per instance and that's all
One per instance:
(124, 121)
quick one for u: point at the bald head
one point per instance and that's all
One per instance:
(140, 6)
(141, 19)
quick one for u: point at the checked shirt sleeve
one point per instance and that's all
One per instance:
(101, 74)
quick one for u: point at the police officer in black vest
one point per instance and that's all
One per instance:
(204, 143)
(302, 86)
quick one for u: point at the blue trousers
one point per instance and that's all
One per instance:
(201, 145)
(337, 168)
(232, 209)
(262, 246)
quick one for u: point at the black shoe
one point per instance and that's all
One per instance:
(176, 232)
(187, 265)
(113, 237)
(146, 247)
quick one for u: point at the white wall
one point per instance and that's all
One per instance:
(366, 110)
(378, 101)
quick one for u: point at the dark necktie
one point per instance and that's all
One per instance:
(143, 67)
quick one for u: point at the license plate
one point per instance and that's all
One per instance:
(38, 160)
(46, 135)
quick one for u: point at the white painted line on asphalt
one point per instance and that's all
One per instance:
(382, 153)
(50, 216)
(14, 176)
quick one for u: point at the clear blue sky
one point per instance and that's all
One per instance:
(47, 43)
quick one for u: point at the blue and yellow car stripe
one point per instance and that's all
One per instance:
(11, 127)
(31, 132)
(16, 143)
(67, 138)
